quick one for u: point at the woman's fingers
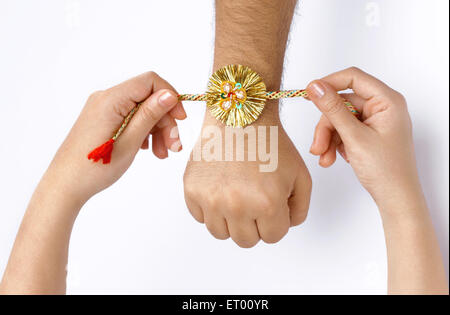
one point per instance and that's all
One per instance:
(178, 112)
(327, 140)
(362, 83)
(145, 145)
(169, 129)
(342, 152)
(141, 89)
(331, 104)
(324, 131)
(356, 100)
(322, 136)
(158, 147)
(329, 157)
(151, 111)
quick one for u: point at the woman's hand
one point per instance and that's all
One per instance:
(101, 117)
(380, 146)
(38, 261)
(380, 150)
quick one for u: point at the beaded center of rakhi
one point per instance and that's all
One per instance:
(232, 95)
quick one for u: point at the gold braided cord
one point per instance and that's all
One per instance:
(286, 94)
(275, 95)
(236, 96)
(244, 111)
(192, 97)
(204, 97)
(269, 95)
(126, 121)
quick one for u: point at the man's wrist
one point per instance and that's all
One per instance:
(270, 72)
(254, 33)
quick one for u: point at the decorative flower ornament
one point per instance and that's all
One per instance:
(232, 95)
(236, 95)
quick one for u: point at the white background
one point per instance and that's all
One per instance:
(138, 237)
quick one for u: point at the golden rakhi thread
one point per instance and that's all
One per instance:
(241, 109)
(236, 96)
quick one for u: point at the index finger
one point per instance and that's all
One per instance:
(139, 88)
(362, 83)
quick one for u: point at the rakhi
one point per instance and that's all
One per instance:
(236, 96)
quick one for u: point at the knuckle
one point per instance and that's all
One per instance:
(211, 202)
(189, 194)
(188, 178)
(269, 210)
(152, 74)
(355, 70)
(266, 201)
(399, 98)
(233, 207)
(355, 131)
(235, 210)
(123, 109)
(189, 190)
(100, 94)
(266, 204)
(149, 113)
(333, 106)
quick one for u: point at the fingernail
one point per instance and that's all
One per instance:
(317, 89)
(176, 146)
(168, 99)
(174, 133)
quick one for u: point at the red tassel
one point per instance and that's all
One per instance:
(102, 152)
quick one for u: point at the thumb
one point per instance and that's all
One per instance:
(331, 104)
(148, 115)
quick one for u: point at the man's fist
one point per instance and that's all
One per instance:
(248, 200)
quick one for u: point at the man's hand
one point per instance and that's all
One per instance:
(236, 199)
